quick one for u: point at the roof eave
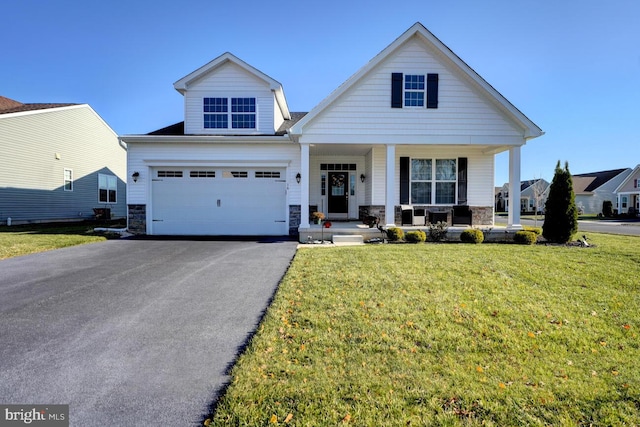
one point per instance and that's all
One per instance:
(205, 139)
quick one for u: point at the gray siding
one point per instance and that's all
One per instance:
(36, 147)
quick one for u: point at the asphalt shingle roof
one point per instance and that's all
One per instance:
(8, 105)
(177, 129)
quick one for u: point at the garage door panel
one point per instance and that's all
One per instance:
(220, 206)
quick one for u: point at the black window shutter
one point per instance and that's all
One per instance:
(396, 90)
(462, 180)
(432, 91)
(404, 180)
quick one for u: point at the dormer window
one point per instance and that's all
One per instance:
(217, 114)
(218, 120)
(243, 113)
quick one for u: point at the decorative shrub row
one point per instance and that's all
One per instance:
(437, 232)
(472, 235)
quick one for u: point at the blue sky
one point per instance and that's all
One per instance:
(571, 66)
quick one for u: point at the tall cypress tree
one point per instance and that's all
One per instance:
(561, 214)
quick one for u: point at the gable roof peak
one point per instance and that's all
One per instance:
(531, 130)
(182, 85)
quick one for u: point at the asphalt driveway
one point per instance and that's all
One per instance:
(132, 332)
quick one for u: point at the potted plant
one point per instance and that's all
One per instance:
(317, 217)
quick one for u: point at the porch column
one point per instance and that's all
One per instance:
(304, 186)
(513, 221)
(390, 187)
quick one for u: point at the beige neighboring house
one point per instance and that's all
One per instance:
(533, 196)
(628, 194)
(59, 163)
(594, 188)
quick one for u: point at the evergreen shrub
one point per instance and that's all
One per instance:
(416, 236)
(395, 234)
(525, 237)
(472, 235)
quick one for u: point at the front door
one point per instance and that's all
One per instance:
(338, 194)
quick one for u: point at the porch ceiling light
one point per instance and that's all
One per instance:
(298, 177)
(362, 177)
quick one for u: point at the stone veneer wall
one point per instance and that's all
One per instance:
(481, 215)
(294, 219)
(137, 222)
(371, 210)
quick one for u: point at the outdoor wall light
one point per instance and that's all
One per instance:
(362, 177)
(298, 177)
(135, 176)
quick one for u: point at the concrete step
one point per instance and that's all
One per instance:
(348, 239)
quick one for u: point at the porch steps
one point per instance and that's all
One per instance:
(348, 239)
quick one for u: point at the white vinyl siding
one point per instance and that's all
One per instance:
(229, 81)
(142, 156)
(462, 116)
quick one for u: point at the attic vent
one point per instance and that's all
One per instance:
(202, 174)
(266, 174)
(169, 174)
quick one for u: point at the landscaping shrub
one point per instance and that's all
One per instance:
(525, 237)
(607, 208)
(472, 235)
(561, 214)
(438, 231)
(417, 236)
(536, 230)
(394, 234)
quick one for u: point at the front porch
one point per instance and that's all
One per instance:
(319, 233)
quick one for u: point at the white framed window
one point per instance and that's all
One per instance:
(433, 185)
(414, 90)
(217, 114)
(68, 180)
(421, 181)
(107, 188)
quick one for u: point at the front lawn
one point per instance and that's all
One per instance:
(27, 239)
(447, 334)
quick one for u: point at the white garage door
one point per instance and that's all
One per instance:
(214, 201)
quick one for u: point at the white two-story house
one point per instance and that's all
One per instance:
(415, 127)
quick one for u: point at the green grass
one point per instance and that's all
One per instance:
(447, 334)
(27, 239)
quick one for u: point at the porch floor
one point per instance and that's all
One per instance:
(318, 233)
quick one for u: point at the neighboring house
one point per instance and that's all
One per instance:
(592, 189)
(416, 126)
(59, 162)
(628, 194)
(533, 195)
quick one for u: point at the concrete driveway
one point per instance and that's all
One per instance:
(132, 332)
